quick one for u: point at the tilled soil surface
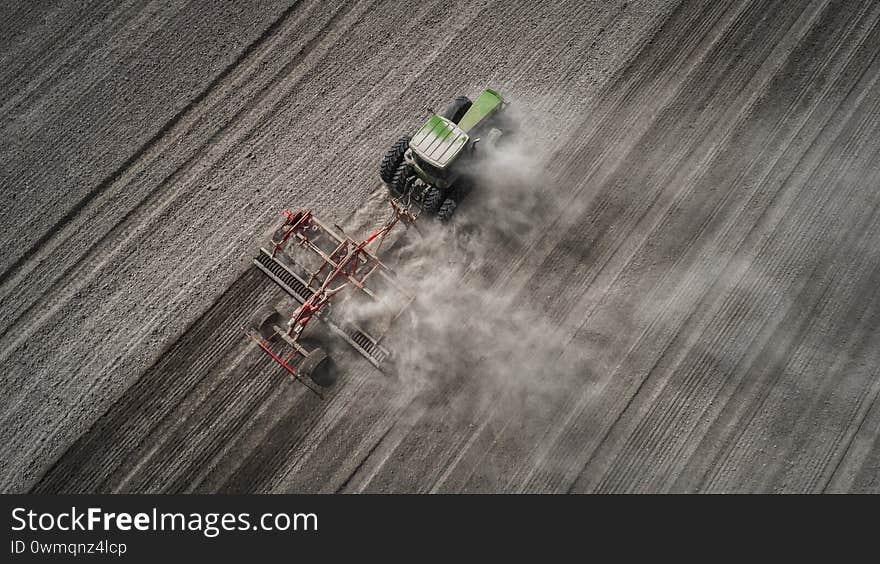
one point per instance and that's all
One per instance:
(690, 285)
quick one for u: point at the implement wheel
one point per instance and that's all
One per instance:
(316, 367)
(264, 320)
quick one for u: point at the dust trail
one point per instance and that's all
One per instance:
(462, 326)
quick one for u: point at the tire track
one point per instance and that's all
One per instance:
(682, 93)
(697, 376)
(452, 391)
(60, 232)
(414, 421)
(855, 471)
(89, 194)
(615, 370)
(175, 374)
(619, 126)
(687, 290)
(129, 237)
(40, 72)
(701, 188)
(752, 405)
(811, 475)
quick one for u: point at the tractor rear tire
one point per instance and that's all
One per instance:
(400, 180)
(392, 159)
(447, 208)
(457, 108)
(431, 200)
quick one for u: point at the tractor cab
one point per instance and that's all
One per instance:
(440, 141)
(484, 107)
(432, 167)
(434, 147)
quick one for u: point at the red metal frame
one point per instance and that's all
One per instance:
(347, 262)
(322, 296)
(295, 221)
(264, 344)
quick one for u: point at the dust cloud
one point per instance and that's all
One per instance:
(467, 323)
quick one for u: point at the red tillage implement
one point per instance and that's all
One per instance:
(321, 268)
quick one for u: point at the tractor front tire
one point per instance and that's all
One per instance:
(431, 200)
(447, 208)
(457, 108)
(400, 181)
(392, 159)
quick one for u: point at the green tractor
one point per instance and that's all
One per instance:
(435, 165)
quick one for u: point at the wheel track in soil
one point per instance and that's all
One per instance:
(659, 317)
(79, 105)
(177, 372)
(855, 470)
(688, 397)
(814, 111)
(230, 386)
(767, 390)
(398, 436)
(583, 222)
(416, 416)
(42, 71)
(683, 387)
(606, 118)
(807, 475)
(450, 390)
(99, 256)
(711, 439)
(679, 169)
(625, 132)
(141, 159)
(297, 455)
(66, 212)
(766, 339)
(657, 290)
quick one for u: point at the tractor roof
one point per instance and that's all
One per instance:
(486, 103)
(438, 141)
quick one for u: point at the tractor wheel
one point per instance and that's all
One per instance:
(399, 182)
(431, 200)
(493, 138)
(316, 367)
(457, 108)
(392, 159)
(447, 208)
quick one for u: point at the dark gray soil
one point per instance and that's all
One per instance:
(683, 298)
